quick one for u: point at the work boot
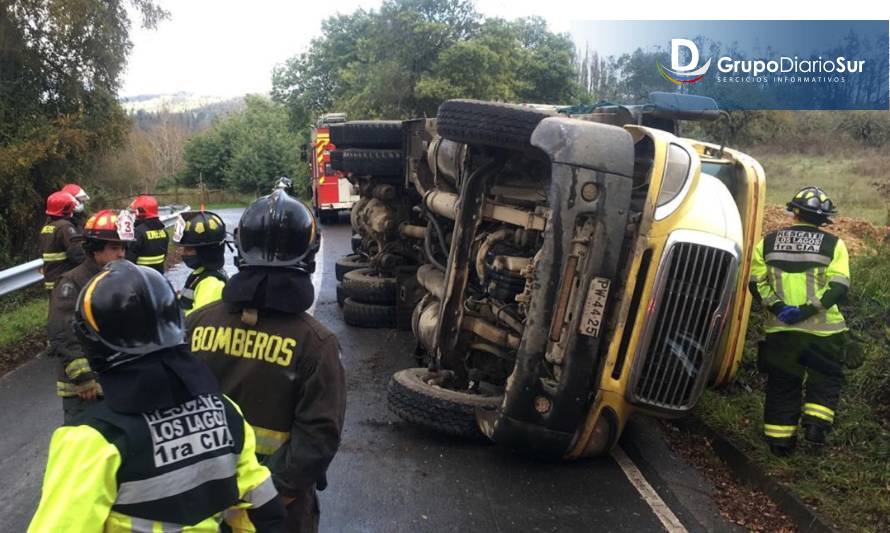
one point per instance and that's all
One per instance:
(815, 434)
(782, 449)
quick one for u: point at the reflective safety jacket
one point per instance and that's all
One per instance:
(74, 369)
(176, 469)
(60, 245)
(286, 375)
(802, 266)
(150, 247)
(202, 287)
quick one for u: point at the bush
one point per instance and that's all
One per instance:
(870, 128)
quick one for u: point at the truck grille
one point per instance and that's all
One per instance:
(690, 300)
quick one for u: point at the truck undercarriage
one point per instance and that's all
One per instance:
(534, 280)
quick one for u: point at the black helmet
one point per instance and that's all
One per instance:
(812, 201)
(199, 228)
(278, 231)
(126, 311)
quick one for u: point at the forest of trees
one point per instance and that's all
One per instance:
(244, 151)
(60, 69)
(407, 57)
(400, 61)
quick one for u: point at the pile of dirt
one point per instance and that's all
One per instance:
(739, 504)
(857, 234)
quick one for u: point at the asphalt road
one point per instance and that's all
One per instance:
(392, 477)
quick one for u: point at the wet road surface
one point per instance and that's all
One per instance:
(392, 477)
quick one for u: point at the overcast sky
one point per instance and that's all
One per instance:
(229, 47)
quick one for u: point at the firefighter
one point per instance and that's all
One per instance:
(800, 274)
(80, 210)
(150, 247)
(165, 451)
(104, 242)
(59, 239)
(201, 235)
(275, 360)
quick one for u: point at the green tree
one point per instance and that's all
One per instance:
(405, 59)
(60, 67)
(246, 151)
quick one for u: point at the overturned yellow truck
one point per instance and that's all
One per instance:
(576, 269)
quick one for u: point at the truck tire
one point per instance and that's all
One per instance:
(348, 263)
(367, 134)
(362, 315)
(365, 285)
(341, 296)
(488, 123)
(369, 162)
(329, 218)
(412, 398)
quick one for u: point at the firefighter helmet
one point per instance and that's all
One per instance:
(60, 204)
(277, 230)
(125, 312)
(199, 228)
(79, 194)
(812, 201)
(145, 207)
(107, 226)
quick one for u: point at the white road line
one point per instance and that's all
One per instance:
(667, 517)
(317, 275)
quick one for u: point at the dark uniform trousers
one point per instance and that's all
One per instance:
(150, 247)
(285, 373)
(792, 360)
(74, 369)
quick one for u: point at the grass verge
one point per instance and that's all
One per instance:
(22, 334)
(851, 177)
(849, 481)
(228, 205)
(22, 321)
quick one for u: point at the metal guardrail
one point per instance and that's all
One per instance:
(21, 276)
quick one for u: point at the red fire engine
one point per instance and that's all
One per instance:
(331, 191)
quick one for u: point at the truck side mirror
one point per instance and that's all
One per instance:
(304, 153)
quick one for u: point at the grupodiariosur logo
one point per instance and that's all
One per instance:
(682, 73)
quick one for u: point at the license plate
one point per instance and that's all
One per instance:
(595, 307)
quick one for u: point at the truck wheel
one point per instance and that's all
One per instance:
(489, 123)
(413, 396)
(365, 161)
(365, 285)
(367, 134)
(364, 315)
(348, 263)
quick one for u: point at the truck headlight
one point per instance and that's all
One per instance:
(676, 181)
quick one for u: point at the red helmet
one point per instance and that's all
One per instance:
(77, 192)
(60, 204)
(80, 196)
(104, 226)
(144, 206)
